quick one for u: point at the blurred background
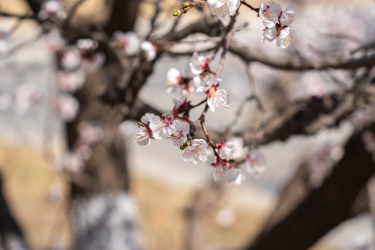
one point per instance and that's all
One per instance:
(125, 196)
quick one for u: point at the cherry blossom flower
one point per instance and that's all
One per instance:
(223, 7)
(71, 81)
(198, 64)
(54, 40)
(71, 58)
(66, 106)
(217, 98)
(87, 44)
(255, 163)
(89, 132)
(224, 171)
(71, 162)
(25, 95)
(177, 108)
(142, 137)
(161, 127)
(5, 100)
(225, 150)
(149, 50)
(196, 152)
(181, 130)
(83, 150)
(239, 151)
(269, 34)
(270, 14)
(128, 41)
(175, 80)
(52, 8)
(287, 16)
(285, 37)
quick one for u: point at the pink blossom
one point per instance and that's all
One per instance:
(89, 132)
(178, 108)
(128, 41)
(25, 95)
(255, 163)
(239, 152)
(161, 127)
(270, 14)
(71, 58)
(52, 8)
(225, 150)
(71, 81)
(224, 171)
(198, 64)
(285, 36)
(196, 152)
(179, 137)
(177, 83)
(143, 137)
(54, 41)
(66, 106)
(217, 98)
(149, 49)
(222, 7)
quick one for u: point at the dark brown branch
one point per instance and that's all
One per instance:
(249, 55)
(325, 207)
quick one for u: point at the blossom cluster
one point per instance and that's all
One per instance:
(223, 7)
(198, 72)
(195, 150)
(276, 22)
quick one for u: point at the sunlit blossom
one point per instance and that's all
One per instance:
(196, 152)
(181, 130)
(149, 49)
(223, 7)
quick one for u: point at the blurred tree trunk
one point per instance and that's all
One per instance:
(104, 212)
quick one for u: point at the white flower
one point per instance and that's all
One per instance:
(70, 161)
(196, 152)
(142, 137)
(161, 128)
(223, 7)
(287, 35)
(87, 44)
(25, 95)
(66, 106)
(198, 63)
(206, 83)
(181, 130)
(178, 106)
(71, 81)
(128, 41)
(90, 132)
(224, 171)
(52, 8)
(217, 98)
(174, 78)
(270, 14)
(269, 34)
(149, 49)
(287, 16)
(239, 151)
(226, 150)
(54, 41)
(71, 58)
(255, 163)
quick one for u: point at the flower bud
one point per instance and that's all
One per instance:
(182, 147)
(176, 13)
(186, 4)
(188, 143)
